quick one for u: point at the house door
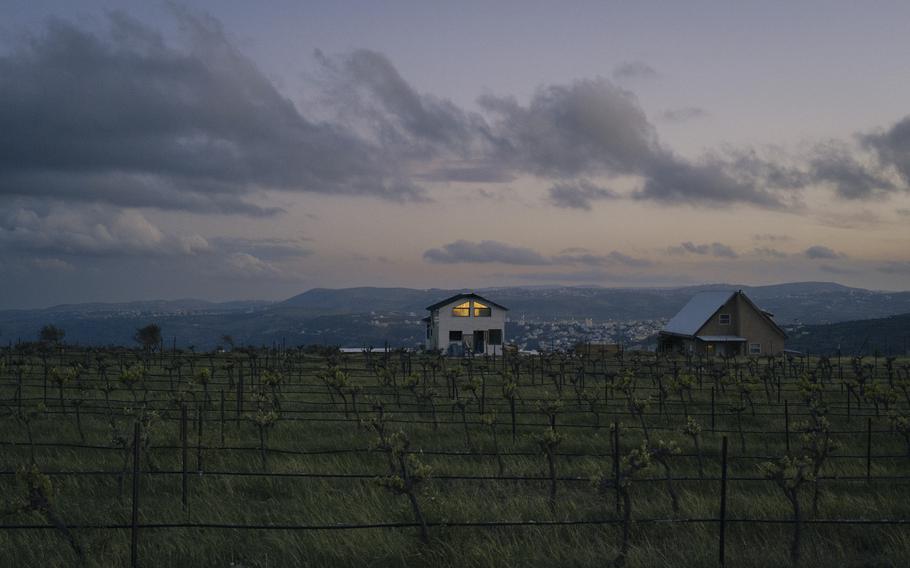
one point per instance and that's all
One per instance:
(479, 346)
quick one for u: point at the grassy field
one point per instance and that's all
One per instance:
(326, 447)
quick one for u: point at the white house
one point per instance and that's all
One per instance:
(466, 323)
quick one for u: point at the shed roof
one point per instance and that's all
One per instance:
(465, 296)
(699, 310)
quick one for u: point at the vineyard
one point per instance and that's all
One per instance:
(311, 457)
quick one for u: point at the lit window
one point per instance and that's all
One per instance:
(454, 336)
(755, 349)
(724, 319)
(462, 310)
(482, 310)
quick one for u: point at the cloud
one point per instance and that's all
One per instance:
(892, 147)
(634, 70)
(367, 84)
(895, 268)
(769, 252)
(719, 250)
(822, 252)
(711, 183)
(52, 265)
(837, 269)
(594, 127)
(248, 266)
(601, 277)
(627, 260)
(586, 127)
(683, 114)
(772, 238)
(834, 163)
(855, 219)
(578, 195)
(269, 249)
(463, 251)
(482, 252)
(126, 118)
(91, 232)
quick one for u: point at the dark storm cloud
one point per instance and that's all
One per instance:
(719, 250)
(634, 70)
(578, 195)
(127, 119)
(822, 252)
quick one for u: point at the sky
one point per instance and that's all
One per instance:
(231, 150)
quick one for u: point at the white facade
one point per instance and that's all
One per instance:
(466, 323)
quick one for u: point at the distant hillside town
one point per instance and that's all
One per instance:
(816, 317)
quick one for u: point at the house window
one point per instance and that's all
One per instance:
(755, 349)
(724, 319)
(454, 336)
(462, 310)
(429, 330)
(482, 310)
(494, 337)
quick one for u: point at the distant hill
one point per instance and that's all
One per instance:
(807, 302)
(371, 316)
(885, 336)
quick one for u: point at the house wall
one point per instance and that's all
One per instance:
(444, 322)
(713, 325)
(754, 327)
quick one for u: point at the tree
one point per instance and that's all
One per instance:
(228, 341)
(149, 336)
(51, 334)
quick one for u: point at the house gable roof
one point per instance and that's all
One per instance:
(696, 312)
(702, 307)
(465, 296)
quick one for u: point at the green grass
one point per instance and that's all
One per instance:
(263, 500)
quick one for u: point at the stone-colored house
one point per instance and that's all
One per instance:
(722, 323)
(466, 323)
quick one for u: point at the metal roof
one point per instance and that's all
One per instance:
(699, 310)
(721, 338)
(470, 295)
